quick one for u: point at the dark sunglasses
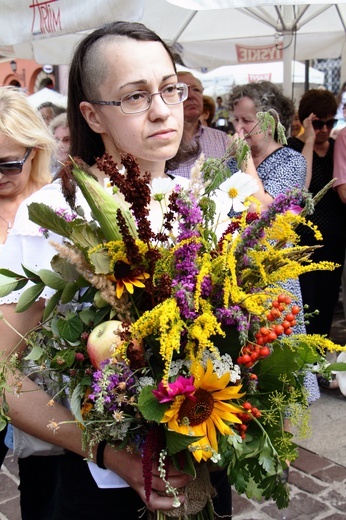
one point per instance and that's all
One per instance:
(14, 167)
(318, 124)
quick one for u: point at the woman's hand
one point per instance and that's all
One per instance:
(129, 467)
(309, 137)
(309, 131)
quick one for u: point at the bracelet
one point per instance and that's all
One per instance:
(99, 454)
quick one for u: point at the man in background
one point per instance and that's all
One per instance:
(197, 138)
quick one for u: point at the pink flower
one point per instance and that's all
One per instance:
(181, 386)
(295, 209)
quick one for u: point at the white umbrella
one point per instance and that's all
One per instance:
(47, 94)
(222, 79)
(207, 33)
(48, 30)
(212, 33)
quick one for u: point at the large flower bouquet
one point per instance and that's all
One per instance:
(178, 344)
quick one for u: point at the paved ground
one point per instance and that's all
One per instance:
(317, 479)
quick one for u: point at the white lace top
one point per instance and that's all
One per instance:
(26, 243)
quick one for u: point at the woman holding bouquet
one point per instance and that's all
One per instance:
(123, 98)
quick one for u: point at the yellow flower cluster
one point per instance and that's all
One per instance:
(201, 330)
(115, 251)
(165, 323)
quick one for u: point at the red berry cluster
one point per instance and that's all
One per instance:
(281, 310)
(252, 353)
(246, 417)
(287, 316)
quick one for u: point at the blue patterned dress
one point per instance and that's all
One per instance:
(280, 171)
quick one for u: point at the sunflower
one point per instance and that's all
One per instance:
(125, 279)
(206, 414)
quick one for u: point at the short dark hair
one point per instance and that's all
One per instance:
(82, 84)
(320, 102)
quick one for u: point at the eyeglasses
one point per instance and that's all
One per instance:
(318, 124)
(14, 167)
(140, 100)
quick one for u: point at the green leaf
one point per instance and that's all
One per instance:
(101, 261)
(176, 442)
(252, 490)
(267, 457)
(64, 268)
(69, 292)
(32, 275)
(281, 361)
(51, 305)
(3, 423)
(46, 217)
(52, 279)
(7, 284)
(70, 328)
(84, 236)
(75, 402)
(305, 355)
(337, 367)
(63, 359)
(87, 316)
(9, 274)
(149, 406)
(35, 353)
(29, 296)
(238, 476)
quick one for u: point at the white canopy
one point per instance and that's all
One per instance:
(207, 33)
(220, 81)
(46, 94)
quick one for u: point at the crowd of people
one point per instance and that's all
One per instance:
(166, 137)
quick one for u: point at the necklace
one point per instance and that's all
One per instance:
(9, 224)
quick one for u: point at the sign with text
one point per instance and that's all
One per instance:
(253, 78)
(247, 54)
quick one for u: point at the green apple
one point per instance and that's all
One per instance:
(103, 341)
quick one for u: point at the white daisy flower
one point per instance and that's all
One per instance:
(160, 186)
(238, 187)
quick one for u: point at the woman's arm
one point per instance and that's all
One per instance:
(30, 410)
(308, 138)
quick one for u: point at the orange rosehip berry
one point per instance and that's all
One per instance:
(295, 309)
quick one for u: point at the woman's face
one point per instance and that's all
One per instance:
(245, 120)
(14, 185)
(62, 136)
(153, 136)
(322, 135)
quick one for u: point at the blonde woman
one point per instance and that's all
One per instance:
(25, 153)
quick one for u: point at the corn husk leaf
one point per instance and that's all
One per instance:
(103, 206)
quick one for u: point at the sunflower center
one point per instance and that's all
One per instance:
(199, 410)
(233, 192)
(121, 270)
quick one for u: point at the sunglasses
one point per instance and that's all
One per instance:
(318, 124)
(14, 167)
